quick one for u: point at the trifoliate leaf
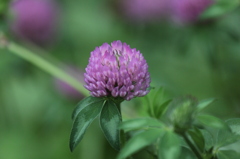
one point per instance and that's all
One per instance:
(82, 121)
(110, 119)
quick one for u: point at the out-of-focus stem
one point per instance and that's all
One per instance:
(46, 66)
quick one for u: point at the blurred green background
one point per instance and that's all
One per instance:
(201, 59)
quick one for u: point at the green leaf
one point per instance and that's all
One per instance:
(139, 141)
(211, 121)
(160, 103)
(158, 97)
(198, 139)
(150, 99)
(169, 146)
(204, 103)
(228, 154)
(187, 154)
(228, 137)
(156, 102)
(110, 119)
(234, 125)
(162, 108)
(140, 123)
(82, 121)
(235, 147)
(221, 7)
(84, 103)
(208, 138)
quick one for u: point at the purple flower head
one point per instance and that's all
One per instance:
(186, 11)
(117, 70)
(67, 90)
(145, 10)
(34, 20)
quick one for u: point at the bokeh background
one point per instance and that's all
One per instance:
(186, 55)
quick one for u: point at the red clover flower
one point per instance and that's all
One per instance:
(185, 11)
(34, 20)
(144, 10)
(117, 70)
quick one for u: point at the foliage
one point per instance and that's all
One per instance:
(175, 140)
(220, 8)
(180, 130)
(200, 59)
(3, 6)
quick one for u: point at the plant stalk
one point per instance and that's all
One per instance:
(122, 135)
(121, 132)
(194, 149)
(46, 66)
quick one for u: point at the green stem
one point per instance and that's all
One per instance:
(122, 138)
(198, 155)
(46, 66)
(122, 134)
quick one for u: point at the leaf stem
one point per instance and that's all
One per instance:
(46, 66)
(198, 155)
(121, 133)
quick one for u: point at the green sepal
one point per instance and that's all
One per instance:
(110, 118)
(82, 120)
